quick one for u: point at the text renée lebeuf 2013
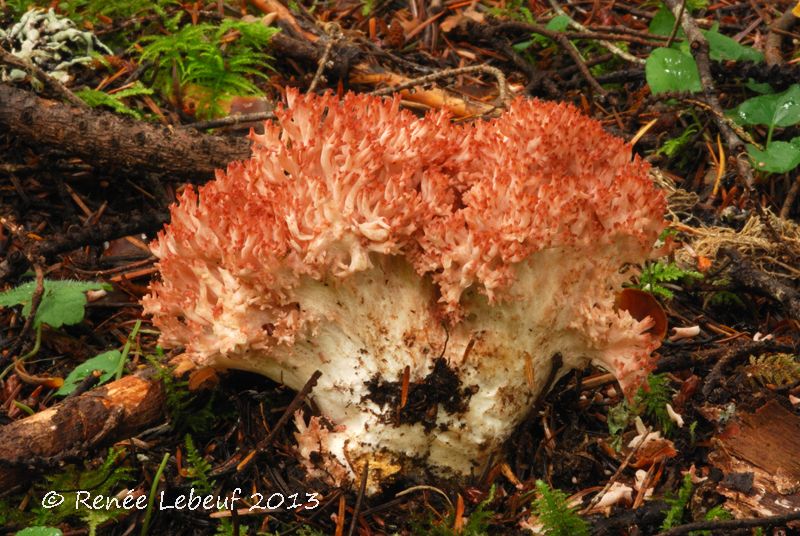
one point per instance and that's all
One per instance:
(185, 501)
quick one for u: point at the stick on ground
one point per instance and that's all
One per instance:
(71, 429)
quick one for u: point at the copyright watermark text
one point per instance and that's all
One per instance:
(131, 500)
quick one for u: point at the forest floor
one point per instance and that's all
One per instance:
(147, 96)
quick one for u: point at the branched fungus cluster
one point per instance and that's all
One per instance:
(431, 271)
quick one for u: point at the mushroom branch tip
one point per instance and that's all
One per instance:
(429, 270)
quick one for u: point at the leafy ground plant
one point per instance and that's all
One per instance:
(212, 62)
(780, 370)
(650, 403)
(107, 480)
(555, 515)
(656, 274)
(63, 302)
(776, 110)
(114, 101)
(674, 68)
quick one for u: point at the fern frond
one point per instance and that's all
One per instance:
(198, 469)
(653, 400)
(656, 273)
(225, 59)
(114, 101)
(555, 514)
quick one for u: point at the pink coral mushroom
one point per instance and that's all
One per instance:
(378, 248)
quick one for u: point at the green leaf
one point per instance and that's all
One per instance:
(778, 157)
(559, 23)
(107, 362)
(663, 22)
(668, 69)
(721, 47)
(780, 109)
(40, 531)
(760, 88)
(63, 302)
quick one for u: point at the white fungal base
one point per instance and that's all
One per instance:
(371, 326)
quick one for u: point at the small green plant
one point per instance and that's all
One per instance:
(555, 514)
(110, 364)
(654, 274)
(115, 101)
(714, 514)
(677, 505)
(368, 7)
(514, 10)
(106, 363)
(694, 5)
(674, 68)
(723, 298)
(107, 480)
(673, 146)
(477, 523)
(650, 402)
(40, 531)
(693, 433)
(558, 23)
(309, 531)
(221, 60)
(63, 302)
(777, 110)
(182, 405)
(198, 469)
(653, 400)
(774, 369)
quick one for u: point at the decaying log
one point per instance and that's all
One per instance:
(764, 447)
(105, 138)
(72, 428)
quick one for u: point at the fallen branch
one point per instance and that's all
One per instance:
(76, 426)
(780, 26)
(106, 139)
(502, 85)
(727, 525)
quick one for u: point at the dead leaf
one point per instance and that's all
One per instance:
(469, 14)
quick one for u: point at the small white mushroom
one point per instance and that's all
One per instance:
(674, 416)
(684, 333)
(618, 492)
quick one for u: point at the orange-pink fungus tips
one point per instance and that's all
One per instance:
(368, 243)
